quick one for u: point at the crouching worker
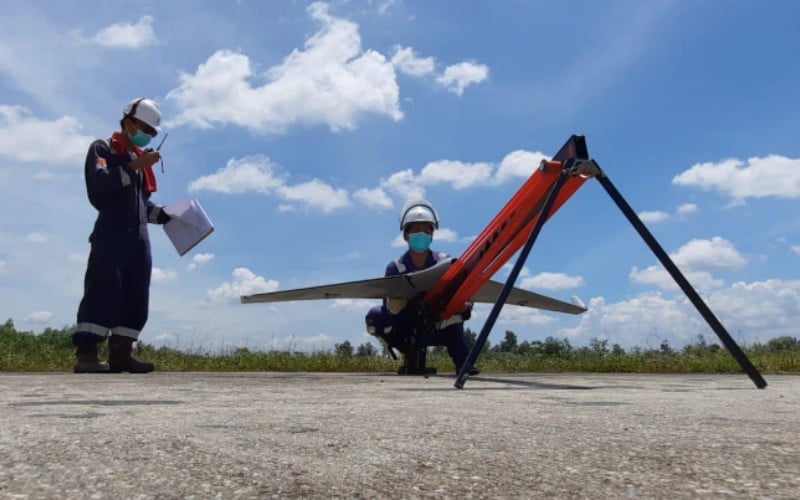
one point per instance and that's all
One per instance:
(397, 322)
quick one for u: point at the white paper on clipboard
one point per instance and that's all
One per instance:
(189, 224)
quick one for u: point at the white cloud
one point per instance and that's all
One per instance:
(373, 198)
(251, 173)
(458, 174)
(282, 208)
(687, 208)
(771, 176)
(36, 238)
(653, 217)
(552, 281)
(258, 174)
(28, 139)
(39, 317)
(519, 163)
(643, 321)
(750, 312)
(459, 76)
(128, 36)
(405, 60)
(796, 249)
(658, 276)
(695, 259)
(245, 282)
(316, 194)
(163, 275)
(332, 81)
(198, 260)
(404, 184)
(716, 253)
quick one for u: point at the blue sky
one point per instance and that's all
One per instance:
(302, 128)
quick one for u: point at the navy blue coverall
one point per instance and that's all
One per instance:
(396, 328)
(117, 282)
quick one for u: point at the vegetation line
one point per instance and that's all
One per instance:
(52, 350)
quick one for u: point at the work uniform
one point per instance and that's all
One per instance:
(396, 329)
(117, 281)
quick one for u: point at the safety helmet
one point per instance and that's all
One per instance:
(418, 210)
(145, 110)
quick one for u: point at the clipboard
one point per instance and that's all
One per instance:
(188, 226)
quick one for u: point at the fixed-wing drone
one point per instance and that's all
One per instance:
(448, 285)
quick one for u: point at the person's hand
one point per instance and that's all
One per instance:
(162, 217)
(395, 305)
(146, 159)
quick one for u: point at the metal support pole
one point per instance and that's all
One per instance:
(512, 278)
(687, 288)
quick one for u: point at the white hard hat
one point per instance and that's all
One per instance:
(145, 110)
(418, 210)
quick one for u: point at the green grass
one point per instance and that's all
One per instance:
(52, 351)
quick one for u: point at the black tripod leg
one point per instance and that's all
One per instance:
(512, 278)
(687, 288)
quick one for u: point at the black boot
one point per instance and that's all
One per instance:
(87, 362)
(120, 359)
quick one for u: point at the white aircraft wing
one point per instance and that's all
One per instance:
(402, 285)
(519, 297)
(408, 286)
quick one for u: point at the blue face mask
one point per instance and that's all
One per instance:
(419, 242)
(140, 139)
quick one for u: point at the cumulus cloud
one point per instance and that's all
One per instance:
(163, 275)
(686, 208)
(407, 61)
(258, 174)
(653, 217)
(251, 173)
(245, 282)
(198, 260)
(459, 76)
(519, 163)
(696, 259)
(331, 81)
(25, 138)
(316, 194)
(751, 312)
(458, 174)
(39, 317)
(127, 35)
(771, 176)
(373, 198)
(552, 281)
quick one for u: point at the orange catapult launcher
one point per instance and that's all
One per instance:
(518, 225)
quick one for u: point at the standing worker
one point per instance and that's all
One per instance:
(393, 322)
(119, 182)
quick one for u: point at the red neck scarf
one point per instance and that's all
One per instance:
(120, 142)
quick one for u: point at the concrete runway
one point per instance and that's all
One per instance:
(290, 435)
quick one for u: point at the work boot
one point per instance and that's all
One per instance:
(87, 362)
(120, 359)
